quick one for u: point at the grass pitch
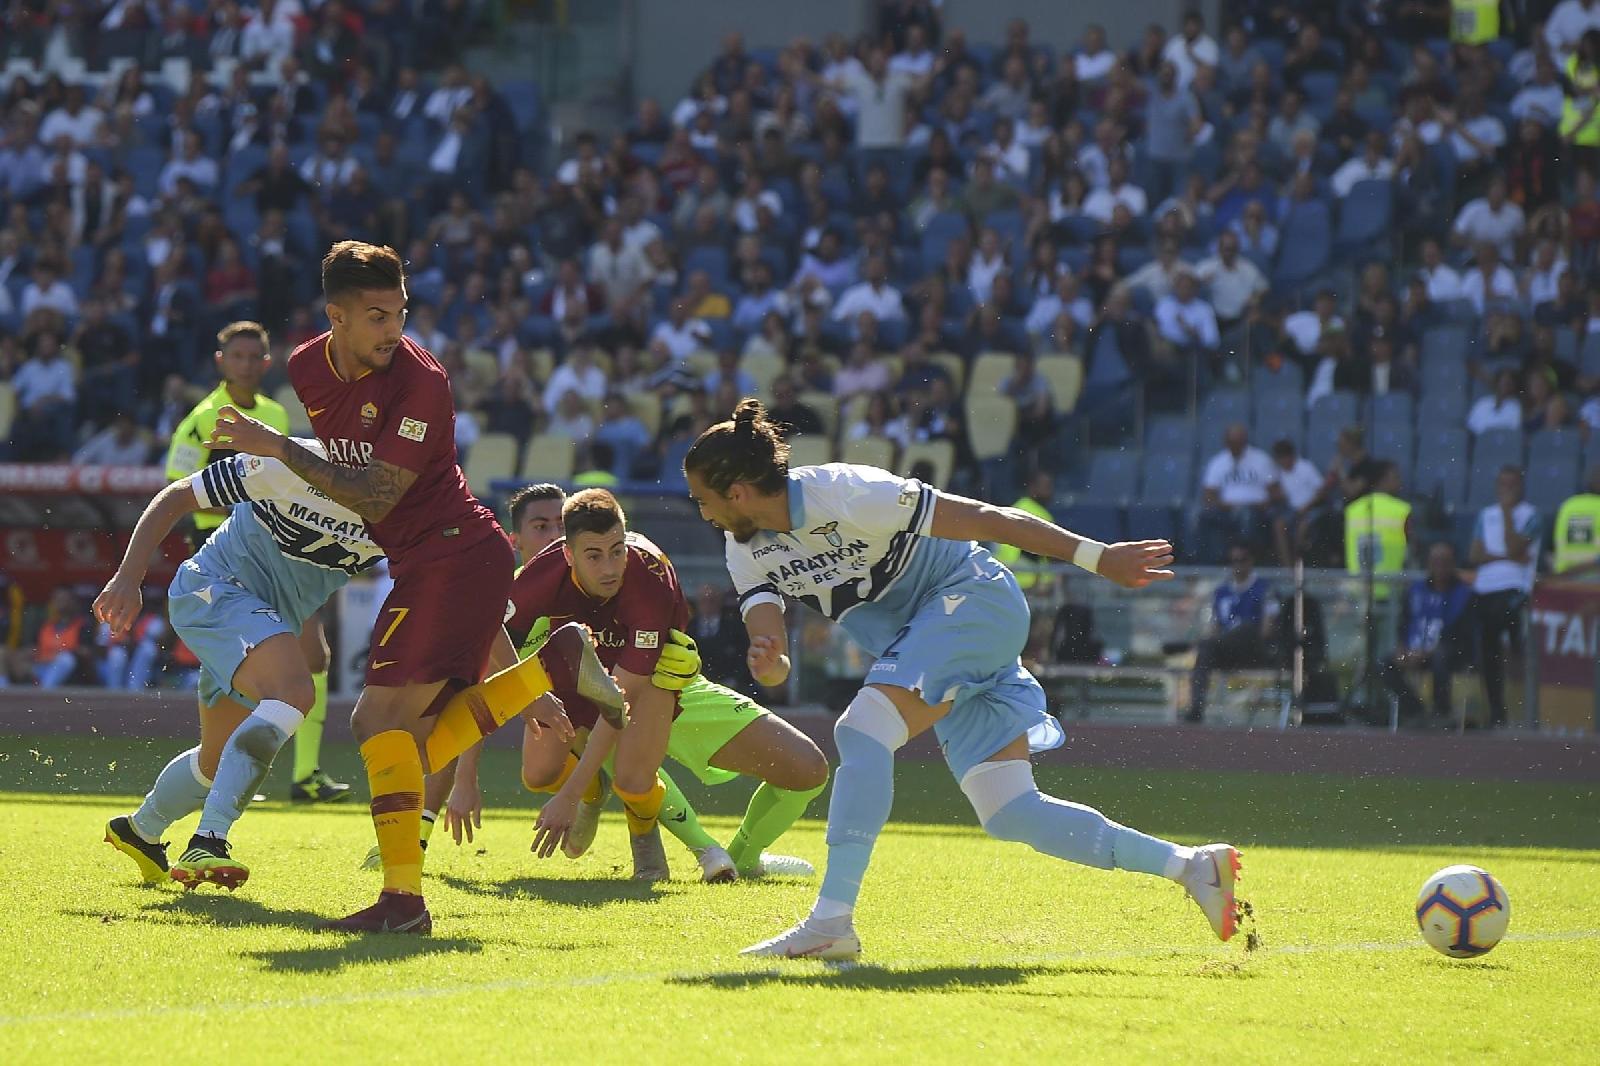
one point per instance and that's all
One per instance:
(977, 950)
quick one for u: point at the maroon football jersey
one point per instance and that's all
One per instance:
(403, 415)
(629, 628)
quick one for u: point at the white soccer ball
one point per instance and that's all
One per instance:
(1463, 912)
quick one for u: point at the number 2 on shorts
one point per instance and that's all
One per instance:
(399, 616)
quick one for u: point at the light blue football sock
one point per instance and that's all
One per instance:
(863, 795)
(179, 790)
(246, 758)
(1011, 807)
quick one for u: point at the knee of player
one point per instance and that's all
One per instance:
(298, 692)
(535, 782)
(1002, 794)
(807, 772)
(632, 783)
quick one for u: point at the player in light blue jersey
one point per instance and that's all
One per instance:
(238, 604)
(897, 563)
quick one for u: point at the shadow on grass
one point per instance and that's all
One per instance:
(563, 891)
(900, 979)
(344, 950)
(207, 907)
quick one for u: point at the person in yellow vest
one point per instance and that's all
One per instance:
(1377, 529)
(1026, 567)
(242, 359)
(600, 475)
(1474, 22)
(1580, 112)
(1577, 532)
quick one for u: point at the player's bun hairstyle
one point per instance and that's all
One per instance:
(356, 266)
(591, 511)
(242, 328)
(519, 500)
(746, 448)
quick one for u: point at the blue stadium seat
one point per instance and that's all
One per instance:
(1278, 415)
(1442, 474)
(1168, 478)
(1171, 433)
(1491, 451)
(1287, 377)
(1100, 521)
(942, 228)
(1113, 475)
(1365, 216)
(1589, 355)
(1224, 407)
(1305, 245)
(1395, 442)
(1153, 522)
(1550, 482)
(713, 260)
(1554, 446)
(1396, 407)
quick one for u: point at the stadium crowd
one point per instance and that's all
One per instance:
(1331, 240)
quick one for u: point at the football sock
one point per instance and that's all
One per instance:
(561, 778)
(1011, 807)
(642, 808)
(394, 772)
(867, 735)
(680, 819)
(179, 790)
(428, 818)
(465, 720)
(246, 758)
(308, 741)
(770, 814)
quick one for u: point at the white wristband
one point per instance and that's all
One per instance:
(1088, 555)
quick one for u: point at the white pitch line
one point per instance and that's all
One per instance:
(392, 996)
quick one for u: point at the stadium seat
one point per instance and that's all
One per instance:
(991, 424)
(827, 409)
(1589, 355)
(989, 370)
(548, 457)
(810, 450)
(713, 260)
(492, 458)
(1153, 522)
(1365, 216)
(1304, 246)
(1099, 521)
(646, 407)
(1065, 375)
(1278, 416)
(869, 451)
(1554, 446)
(1396, 443)
(1174, 433)
(1392, 407)
(1167, 479)
(1113, 475)
(940, 454)
(1550, 482)
(955, 366)
(8, 409)
(1328, 416)
(1224, 407)
(1441, 474)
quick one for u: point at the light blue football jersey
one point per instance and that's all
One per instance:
(283, 540)
(860, 552)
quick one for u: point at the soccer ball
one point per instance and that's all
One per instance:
(1463, 912)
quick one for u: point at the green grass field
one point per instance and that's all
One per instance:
(977, 951)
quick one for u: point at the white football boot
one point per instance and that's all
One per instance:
(782, 866)
(834, 940)
(716, 866)
(1209, 879)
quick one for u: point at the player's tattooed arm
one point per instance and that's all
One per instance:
(370, 491)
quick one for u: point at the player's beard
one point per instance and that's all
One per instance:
(744, 530)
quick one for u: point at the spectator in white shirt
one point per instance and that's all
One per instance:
(989, 261)
(1370, 165)
(1475, 134)
(1505, 549)
(1541, 99)
(1094, 159)
(1010, 157)
(1489, 279)
(862, 373)
(1444, 283)
(46, 289)
(119, 444)
(1094, 60)
(46, 403)
(681, 334)
(1235, 282)
(1568, 22)
(267, 39)
(1303, 488)
(917, 59)
(331, 168)
(454, 90)
(74, 119)
(1491, 218)
(578, 375)
(1235, 487)
(874, 295)
(1541, 284)
(880, 97)
(1156, 277)
(188, 163)
(1187, 321)
(1191, 48)
(1065, 299)
(1305, 328)
(1503, 410)
(1099, 204)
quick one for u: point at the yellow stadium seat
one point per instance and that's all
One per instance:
(492, 458)
(8, 409)
(827, 409)
(548, 457)
(809, 451)
(953, 365)
(869, 451)
(764, 368)
(483, 370)
(940, 453)
(1065, 375)
(991, 423)
(988, 371)
(646, 407)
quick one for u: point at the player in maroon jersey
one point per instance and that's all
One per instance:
(624, 589)
(381, 406)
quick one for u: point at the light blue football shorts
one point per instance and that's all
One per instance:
(221, 621)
